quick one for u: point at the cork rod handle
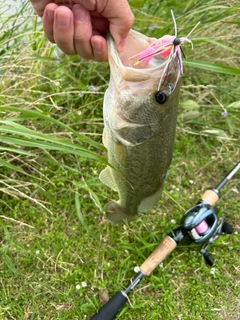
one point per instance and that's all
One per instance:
(210, 196)
(158, 255)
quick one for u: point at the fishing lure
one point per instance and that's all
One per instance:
(169, 48)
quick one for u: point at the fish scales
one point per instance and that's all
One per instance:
(138, 131)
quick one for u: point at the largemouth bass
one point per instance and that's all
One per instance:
(139, 127)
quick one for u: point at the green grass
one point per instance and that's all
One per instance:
(53, 233)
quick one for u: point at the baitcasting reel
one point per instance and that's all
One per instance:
(204, 226)
(201, 221)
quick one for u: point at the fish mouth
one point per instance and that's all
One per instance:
(134, 43)
(125, 64)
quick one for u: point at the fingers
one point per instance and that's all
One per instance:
(63, 29)
(48, 19)
(59, 27)
(39, 6)
(87, 37)
(99, 45)
(83, 31)
(80, 29)
(72, 31)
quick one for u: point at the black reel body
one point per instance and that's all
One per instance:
(201, 222)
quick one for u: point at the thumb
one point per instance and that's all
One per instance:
(120, 19)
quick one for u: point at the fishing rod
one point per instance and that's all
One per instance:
(203, 226)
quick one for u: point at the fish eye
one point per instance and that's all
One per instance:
(161, 97)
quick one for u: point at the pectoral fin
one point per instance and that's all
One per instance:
(149, 202)
(107, 178)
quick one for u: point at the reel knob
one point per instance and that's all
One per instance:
(209, 260)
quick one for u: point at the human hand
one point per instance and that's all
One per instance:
(79, 26)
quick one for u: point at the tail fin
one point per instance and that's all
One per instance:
(116, 215)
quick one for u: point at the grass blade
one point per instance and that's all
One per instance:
(212, 67)
(32, 138)
(10, 166)
(37, 115)
(80, 217)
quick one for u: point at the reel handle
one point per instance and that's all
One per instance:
(208, 259)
